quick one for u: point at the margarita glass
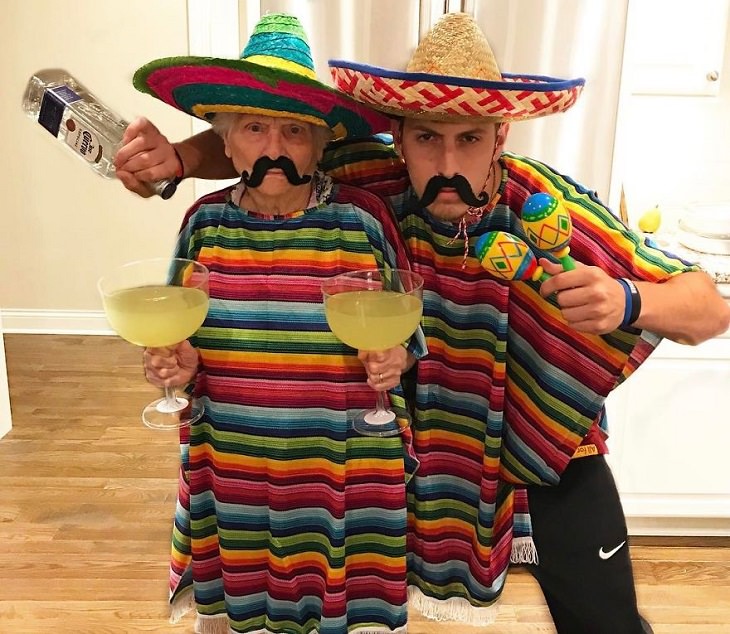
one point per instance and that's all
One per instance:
(374, 309)
(157, 303)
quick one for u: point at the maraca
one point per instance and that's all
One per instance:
(508, 257)
(548, 227)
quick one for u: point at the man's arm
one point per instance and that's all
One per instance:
(146, 156)
(203, 156)
(685, 308)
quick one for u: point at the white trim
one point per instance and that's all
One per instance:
(55, 322)
(621, 138)
(430, 11)
(676, 505)
(249, 16)
(678, 527)
(6, 420)
(677, 514)
(212, 32)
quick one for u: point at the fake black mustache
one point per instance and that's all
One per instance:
(457, 182)
(264, 164)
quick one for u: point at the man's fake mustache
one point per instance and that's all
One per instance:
(457, 182)
(264, 164)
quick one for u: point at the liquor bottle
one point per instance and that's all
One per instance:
(71, 113)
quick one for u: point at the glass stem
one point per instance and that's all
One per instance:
(171, 403)
(170, 399)
(380, 402)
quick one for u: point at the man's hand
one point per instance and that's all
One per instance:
(146, 156)
(590, 300)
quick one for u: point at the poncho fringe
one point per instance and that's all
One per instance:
(454, 609)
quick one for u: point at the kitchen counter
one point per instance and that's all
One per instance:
(717, 266)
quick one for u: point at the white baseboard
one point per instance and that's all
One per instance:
(677, 514)
(55, 322)
(679, 526)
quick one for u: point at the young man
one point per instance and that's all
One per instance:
(511, 395)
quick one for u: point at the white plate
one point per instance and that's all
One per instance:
(710, 220)
(703, 244)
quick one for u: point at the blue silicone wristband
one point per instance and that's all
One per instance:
(632, 310)
(629, 301)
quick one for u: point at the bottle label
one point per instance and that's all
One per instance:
(83, 141)
(53, 104)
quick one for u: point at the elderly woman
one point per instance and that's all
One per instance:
(287, 520)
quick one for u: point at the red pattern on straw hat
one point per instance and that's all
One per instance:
(466, 85)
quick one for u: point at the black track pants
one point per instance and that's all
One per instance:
(584, 567)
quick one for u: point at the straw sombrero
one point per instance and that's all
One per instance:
(274, 77)
(453, 76)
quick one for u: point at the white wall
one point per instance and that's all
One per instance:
(63, 226)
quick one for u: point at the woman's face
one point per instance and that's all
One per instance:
(252, 136)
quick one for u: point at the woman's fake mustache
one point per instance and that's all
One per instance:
(264, 164)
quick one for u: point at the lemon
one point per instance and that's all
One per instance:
(650, 220)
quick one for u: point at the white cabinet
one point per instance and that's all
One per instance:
(670, 440)
(680, 53)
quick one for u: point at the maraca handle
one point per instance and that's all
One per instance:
(562, 255)
(540, 275)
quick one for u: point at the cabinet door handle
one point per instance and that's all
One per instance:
(713, 75)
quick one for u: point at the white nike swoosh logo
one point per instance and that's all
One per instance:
(607, 555)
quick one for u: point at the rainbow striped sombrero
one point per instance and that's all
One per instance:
(274, 77)
(453, 76)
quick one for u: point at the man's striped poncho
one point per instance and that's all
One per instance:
(507, 391)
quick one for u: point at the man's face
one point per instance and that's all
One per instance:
(432, 148)
(251, 137)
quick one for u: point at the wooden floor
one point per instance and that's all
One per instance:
(88, 494)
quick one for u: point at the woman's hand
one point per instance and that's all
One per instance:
(172, 366)
(385, 367)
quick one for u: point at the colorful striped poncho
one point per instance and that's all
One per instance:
(287, 521)
(507, 391)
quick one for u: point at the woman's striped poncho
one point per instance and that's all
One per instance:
(287, 521)
(507, 390)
